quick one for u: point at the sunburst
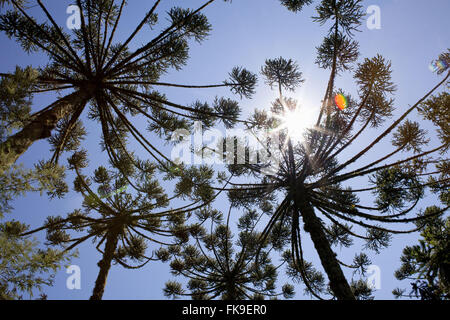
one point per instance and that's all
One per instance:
(297, 122)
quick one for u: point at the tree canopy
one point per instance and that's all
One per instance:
(90, 71)
(360, 172)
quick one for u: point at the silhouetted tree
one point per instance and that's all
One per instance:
(218, 267)
(123, 213)
(309, 175)
(90, 71)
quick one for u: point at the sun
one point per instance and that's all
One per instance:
(296, 122)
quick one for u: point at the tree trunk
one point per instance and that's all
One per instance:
(105, 264)
(338, 282)
(313, 226)
(39, 128)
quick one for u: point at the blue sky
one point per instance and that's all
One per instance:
(246, 32)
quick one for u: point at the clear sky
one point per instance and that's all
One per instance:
(246, 32)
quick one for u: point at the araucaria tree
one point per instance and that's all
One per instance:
(328, 181)
(25, 267)
(16, 180)
(313, 170)
(122, 213)
(92, 72)
(427, 264)
(219, 268)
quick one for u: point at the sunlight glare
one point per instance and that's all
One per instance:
(297, 121)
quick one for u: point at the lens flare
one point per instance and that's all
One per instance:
(439, 65)
(341, 101)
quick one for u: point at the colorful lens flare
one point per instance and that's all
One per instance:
(341, 101)
(439, 65)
